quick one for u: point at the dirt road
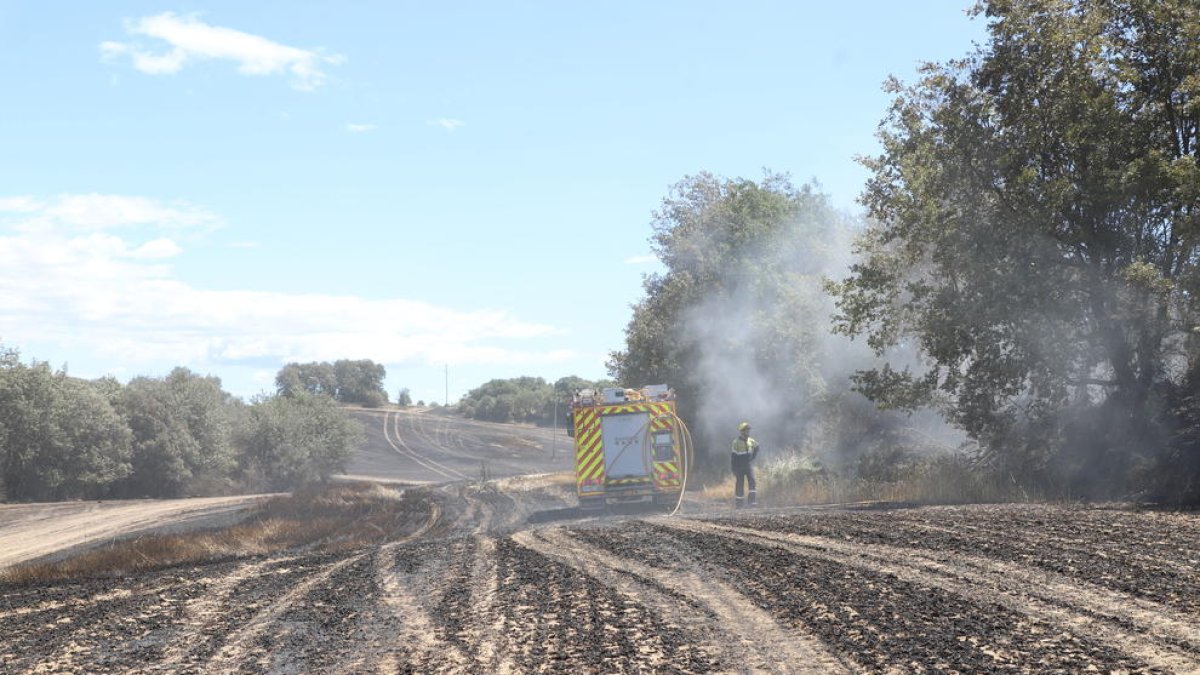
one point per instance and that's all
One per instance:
(432, 446)
(488, 583)
(29, 531)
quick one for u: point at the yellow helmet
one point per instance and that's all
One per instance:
(744, 426)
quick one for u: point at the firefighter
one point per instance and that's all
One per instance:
(745, 450)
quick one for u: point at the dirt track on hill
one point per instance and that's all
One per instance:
(503, 576)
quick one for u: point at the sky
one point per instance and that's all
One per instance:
(458, 191)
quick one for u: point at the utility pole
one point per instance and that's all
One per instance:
(447, 399)
(554, 434)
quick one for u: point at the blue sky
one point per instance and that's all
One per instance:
(230, 186)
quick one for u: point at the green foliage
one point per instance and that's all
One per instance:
(181, 433)
(360, 382)
(65, 438)
(404, 398)
(517, 399)
(314, 378)
(1037, 207)
(741, 306)
(523, 399)
(346, 381)
(293, 441)
(59, 437)
(1174, 475)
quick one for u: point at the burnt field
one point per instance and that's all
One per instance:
(476, 588)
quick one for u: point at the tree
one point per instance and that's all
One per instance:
(518, 399)
(404, 398)
(314, 378)
(564, 389)
(360, 382)
(739, 314)
(293, 441)
(181, 431)
(1036, 208)
(59, 436)
(346, 381)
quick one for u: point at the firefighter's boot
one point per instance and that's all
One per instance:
(739, 502)
(753, 498)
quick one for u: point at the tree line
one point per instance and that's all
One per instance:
(346, 381)
(525, 399)
(64, 438)
(1027, 272)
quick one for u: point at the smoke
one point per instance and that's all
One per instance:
(763, 351)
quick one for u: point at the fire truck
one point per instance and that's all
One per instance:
(629, 446)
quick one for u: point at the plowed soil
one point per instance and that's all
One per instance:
(488, 584)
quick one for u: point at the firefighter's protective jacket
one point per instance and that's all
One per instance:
(745, 446)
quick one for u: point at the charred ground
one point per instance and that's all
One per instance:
(476, 588)
(502, 576)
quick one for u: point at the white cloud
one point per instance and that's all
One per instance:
(20, 204)
(641, 259)
(159, 248)
(188, 39)
(447, 123)
(106, 292)
(101, 212)
(360, 128)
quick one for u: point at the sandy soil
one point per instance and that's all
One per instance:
(31, 531)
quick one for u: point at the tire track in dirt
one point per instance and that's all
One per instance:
(315, 634)
(440, 442)
(554, 618)
(406, 577)
(443, 597)
(882, 622)
(1098, 543)
(439, 438)
(400, 631)
(79, 632)
(1071, 543)
(447, 592)
(737, 630)
(202, 616)
(243, 647)
(391, 427)
(467, 610)
(1149, 632)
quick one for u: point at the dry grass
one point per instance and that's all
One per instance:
(333, 518)
(537, 481)
(798, 480)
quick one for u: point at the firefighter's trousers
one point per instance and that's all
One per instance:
(743, 472)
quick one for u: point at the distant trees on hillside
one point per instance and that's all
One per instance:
(404, 398)
(66, 438)
(523, 399)
(345, 381)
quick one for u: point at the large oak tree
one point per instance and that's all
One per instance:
(1037, 230)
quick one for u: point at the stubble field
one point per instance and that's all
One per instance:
(486, 582)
